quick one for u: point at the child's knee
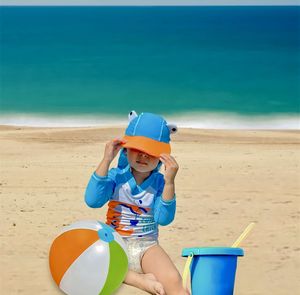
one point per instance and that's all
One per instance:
(175, 284)
(174, 278)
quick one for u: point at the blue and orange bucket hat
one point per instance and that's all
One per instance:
(149, 133)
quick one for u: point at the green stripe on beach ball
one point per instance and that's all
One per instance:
(118, 266)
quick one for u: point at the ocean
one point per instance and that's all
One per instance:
(230, 67)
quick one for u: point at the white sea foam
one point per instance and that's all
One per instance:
(186, 120)
(40, 120)
(236, 121)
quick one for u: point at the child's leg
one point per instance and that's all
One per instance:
(157, 262)
(146, 282)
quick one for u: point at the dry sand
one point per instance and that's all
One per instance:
(226, 180)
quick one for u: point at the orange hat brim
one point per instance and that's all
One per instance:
(146, 145)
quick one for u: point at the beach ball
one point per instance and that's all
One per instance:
(88, 258)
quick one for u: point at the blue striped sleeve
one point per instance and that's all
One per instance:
(100, 189)
(164, 210)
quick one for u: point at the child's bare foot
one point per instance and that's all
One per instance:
(146, 282)
(152, 285)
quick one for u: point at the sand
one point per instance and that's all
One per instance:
(226, 180)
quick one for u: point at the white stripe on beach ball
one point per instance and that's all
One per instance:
(88, 273)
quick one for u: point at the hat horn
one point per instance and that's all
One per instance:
(132, 115)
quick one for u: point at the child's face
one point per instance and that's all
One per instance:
(141, 161)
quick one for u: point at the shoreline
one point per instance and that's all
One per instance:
(7, 127)
(198, 120)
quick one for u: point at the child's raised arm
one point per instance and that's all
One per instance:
(171, 169)
(102, 183)
(165, 204)
(111, 150)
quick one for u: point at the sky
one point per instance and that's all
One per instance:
(149, 2)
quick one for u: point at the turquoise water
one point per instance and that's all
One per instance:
(105, 61)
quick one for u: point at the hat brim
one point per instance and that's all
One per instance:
(147, 145)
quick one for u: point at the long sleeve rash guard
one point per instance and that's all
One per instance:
(133, 210)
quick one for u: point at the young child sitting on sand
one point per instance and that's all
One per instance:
(139, 199)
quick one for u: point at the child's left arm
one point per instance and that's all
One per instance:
(165, 205)
(171, 168)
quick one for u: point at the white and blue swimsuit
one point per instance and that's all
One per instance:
(134, 211)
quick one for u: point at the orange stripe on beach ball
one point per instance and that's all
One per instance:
(63, 253)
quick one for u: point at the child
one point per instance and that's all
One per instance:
(139, 199)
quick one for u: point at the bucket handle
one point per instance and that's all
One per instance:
(186, 270)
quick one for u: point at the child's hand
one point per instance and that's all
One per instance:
(171, 167)
(112, 148)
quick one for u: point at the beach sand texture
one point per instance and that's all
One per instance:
(226, 180)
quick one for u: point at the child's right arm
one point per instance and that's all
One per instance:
(101, 185)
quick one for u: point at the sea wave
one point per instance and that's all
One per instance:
(197, 120)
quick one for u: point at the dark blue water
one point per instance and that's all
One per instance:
(171, 60)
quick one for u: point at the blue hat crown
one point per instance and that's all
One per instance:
(149, 125)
